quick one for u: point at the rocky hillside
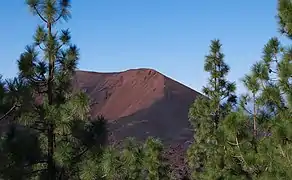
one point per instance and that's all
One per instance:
(139, 103)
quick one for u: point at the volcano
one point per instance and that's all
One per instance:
(141, 103)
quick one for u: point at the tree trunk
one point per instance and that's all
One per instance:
(51, 141)
(254, 117)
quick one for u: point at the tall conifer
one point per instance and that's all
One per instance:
(68, 139)
(257, 137)
(207, 112)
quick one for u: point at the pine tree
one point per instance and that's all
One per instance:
(132, 158)
(43, 71)
(155, 164)
(258, 139)
(111, 164)
(13, 93)
(18, 146)
(135, 160)
(47, 106)
(205, 155)
(125, 162)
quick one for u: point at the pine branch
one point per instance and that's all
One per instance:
(36, 171)
(43, 49)
(8, 112)
(39, 14)
(36, 126)
(80, 154)
(39, 162)
(59, 17)
(38, 129)
(247, 110)
(59, 47)
(27, 165)
(284, 155)
(240, 154)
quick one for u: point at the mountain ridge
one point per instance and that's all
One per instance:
(140, 103)
(143, 83)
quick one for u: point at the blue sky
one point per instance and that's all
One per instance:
(171, 36)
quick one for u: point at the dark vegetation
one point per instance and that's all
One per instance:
(47, 131)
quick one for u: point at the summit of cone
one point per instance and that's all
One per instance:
(140, 103)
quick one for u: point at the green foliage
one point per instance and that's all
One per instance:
(205, 155)
(52, 135)
(136, 161)
(111, 164)
(132, 159)
(49, 134)
(285, 17)
(19, 148)
(262, 153)
(50, 119)
(253, 140)
(155, 164)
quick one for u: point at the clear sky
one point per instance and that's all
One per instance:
(171, 36)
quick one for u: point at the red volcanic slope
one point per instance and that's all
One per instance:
(139, 102)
